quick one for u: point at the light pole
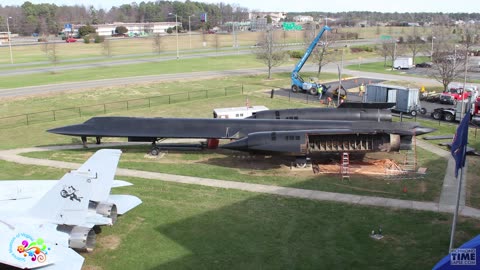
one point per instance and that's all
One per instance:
(9, 40)
(190, 31)
(431, 52)
(176, 31)
(455, 58)
(394, 54)
(340, 70)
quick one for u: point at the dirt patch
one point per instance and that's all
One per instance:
(109, 242)
(91, 267)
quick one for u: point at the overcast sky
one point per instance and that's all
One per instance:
(305, 5)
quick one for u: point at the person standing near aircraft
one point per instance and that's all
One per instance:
(361, 90)
(320, 91)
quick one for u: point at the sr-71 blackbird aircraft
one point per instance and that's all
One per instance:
(41, 222)
(299, 132)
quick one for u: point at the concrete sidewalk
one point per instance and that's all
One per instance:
(448, 197)
(12, 155)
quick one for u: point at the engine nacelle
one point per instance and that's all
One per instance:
(108, 210)
(79, 238)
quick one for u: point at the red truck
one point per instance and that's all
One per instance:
(455, 93)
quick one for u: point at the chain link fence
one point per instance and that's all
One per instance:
(124, 105)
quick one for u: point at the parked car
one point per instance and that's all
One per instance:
(70, 40)
(424, 65)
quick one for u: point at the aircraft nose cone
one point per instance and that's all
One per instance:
(241, 144)
(424, 130)
(68, 130)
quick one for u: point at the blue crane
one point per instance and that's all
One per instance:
(297, 81)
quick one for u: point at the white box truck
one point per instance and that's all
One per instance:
(403, 63)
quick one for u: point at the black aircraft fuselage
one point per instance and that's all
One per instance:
(297, 137)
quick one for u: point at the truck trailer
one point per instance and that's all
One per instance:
(406, 100)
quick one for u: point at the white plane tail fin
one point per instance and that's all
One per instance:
(67, 202)
(104, 163)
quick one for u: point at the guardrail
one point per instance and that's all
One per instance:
(104, 108)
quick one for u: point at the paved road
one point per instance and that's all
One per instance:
(13, 156)
(27, 71)
(32, 90)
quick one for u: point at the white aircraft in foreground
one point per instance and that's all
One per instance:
(42, 222)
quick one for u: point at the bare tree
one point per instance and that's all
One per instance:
(157, 43)
(384, 50)
(396, 49)
(414, 43)
(445, 68)
(469, 36)
(217, 43)
(322, 54)
(52, 53)
(268, 52)
(107, 47)
(44, 45)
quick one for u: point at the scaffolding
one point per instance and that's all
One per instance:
(408, 170)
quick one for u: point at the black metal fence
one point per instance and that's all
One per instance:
(104, 108)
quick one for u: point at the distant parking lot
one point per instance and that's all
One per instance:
(473, 72)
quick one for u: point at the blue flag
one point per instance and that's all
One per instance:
(460, 142)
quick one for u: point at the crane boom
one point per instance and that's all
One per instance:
(297, 81)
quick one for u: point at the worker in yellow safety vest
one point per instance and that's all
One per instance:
(361, 90)
(320, 91)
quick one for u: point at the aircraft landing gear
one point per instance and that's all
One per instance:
(302, 162)
(99, 140)
(155, 149)
(84, 141)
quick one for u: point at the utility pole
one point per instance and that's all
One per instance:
(190, 31)
(176, 28)
(9, 40)
(431, 52)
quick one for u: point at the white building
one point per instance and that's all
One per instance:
(276, 16)
(133, 28)
(301, 18)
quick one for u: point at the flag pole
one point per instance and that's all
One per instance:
(455, 214)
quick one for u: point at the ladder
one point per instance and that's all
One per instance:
(345, 166)
(410, 161)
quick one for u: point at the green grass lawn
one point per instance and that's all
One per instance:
(34, 135)
(473, 181)
(103, 95)
(195, 227)
(167, 67)
(17, 135)
(235, 166)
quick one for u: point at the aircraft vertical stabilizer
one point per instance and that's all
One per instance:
(104, 163)
(67, 202)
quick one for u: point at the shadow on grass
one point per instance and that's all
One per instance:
(271, 232)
